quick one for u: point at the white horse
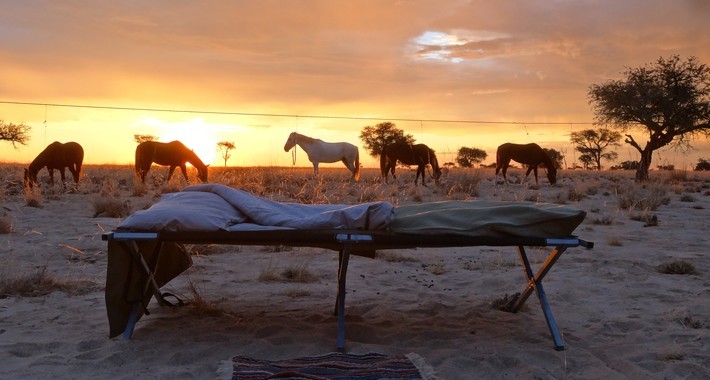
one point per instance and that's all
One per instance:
(320, 151)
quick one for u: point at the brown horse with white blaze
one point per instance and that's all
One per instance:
(173, 154)
(527, 154)
(408, 154)
(57, 156)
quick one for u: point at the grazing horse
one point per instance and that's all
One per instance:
(527, 154)
(174, 154)
(320, 151)
(408, 154)
(57, 156)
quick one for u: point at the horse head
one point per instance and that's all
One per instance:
(552, 174)
(435, 166)
(437, 174)
(290, 142)
(202, 174)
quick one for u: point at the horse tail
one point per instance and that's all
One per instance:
(357, 165)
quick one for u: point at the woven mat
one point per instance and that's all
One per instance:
(329, 366)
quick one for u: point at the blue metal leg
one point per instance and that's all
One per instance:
(342, 272)
(535, 283)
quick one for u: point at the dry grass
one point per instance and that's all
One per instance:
(200, 306)
(298, 273)
(110, 207)
(677, 267)
(40, 283)
(5, 225)
(33, 196)
(648, 196)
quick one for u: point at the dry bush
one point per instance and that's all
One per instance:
(298, 293)
(110, 207)
(5, 225)
(506, 302)
(39, 283)
(200, 306)
(33, 196)
(394, 257)
(298, 273)
(462, 184)
(677, 267)
(687, 198)
(676, 176)
(615, 241)
(269, 272)
(435, 268)
(293, 273)
(642, 197)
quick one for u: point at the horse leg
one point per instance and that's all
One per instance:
(51, 176)
(63, 177)
(534, 167)
(315, 168)
(184, 172)
(170, 173)
(421, 169)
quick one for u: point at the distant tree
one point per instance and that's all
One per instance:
(556, 156)
(586, 161)
(376, 138)
(595, 142)
(14, 133)
(143, 138)
(702, 164)
(670, 100)
(224, 147)
(468, 156)
(626, 165)
(666, 167)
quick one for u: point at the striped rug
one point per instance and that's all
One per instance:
(329, 366)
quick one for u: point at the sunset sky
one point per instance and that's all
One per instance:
(451, 73)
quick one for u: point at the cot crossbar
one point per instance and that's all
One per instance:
(362, 243)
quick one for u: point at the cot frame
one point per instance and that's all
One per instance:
(361, 243)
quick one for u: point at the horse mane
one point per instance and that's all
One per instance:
(432, 159)
(308, 140)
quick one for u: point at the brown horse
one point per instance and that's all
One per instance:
(527, 154)
(174, 154)
(57, 156)
(409, 154)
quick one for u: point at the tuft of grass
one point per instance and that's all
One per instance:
(298, 273)
(33, 196)
(677, 267)
(506, 302)
(269, 272)
(297, 293)
(615, 241)
(110, 207)
(39, 283)
(5, 225)
(687, 198)
(435, 268)
(394, 257)
(200, 305)
(642, 197)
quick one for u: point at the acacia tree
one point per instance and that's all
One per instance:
(376, 138)
(595, 142)
(14, 133)
(143, 138)
(224, 147)
(670, 100)
(556, 156)
(466, 157)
